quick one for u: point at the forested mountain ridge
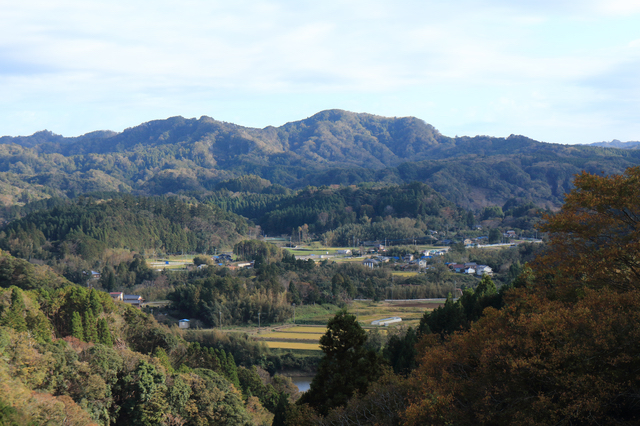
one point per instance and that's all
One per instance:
(179, 155)
(618, 144)
(137, 223)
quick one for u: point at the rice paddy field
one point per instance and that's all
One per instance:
(293, 346)
(305, 337)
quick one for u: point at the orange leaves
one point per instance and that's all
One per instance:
(554, 362)
(595, 238)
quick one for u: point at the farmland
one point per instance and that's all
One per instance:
(296, 337)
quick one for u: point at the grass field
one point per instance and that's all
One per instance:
(175, 262)
(312, 329)
(291, 345)
(403, 274)
(292, 336)
(298, 337)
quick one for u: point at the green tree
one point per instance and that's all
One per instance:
(90, 329)
(39, 325)
(346, 368)
(494, 235)
(77, 330)
(401, 353)
(444, 320)
(104, 335)
(295, 294)
(143, 392)
(15, 317)
(281, 410)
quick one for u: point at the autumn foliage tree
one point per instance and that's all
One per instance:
(536, 362)
(563, 348)
(595, 238)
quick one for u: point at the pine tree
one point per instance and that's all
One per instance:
(94, 302)
(104, 335)
(232, 371)
(76, 326)
(90, 329)
(15, 316)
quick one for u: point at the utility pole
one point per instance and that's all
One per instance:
(294, 313)
(259, 313)
(220, 320)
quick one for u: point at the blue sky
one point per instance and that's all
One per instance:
(556, 71)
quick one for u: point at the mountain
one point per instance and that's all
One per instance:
(334, 137)
(192, 157)
(617, 144)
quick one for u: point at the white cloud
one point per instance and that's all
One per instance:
(552, 62)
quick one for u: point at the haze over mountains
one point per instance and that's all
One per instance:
(618, 144)
(179, 155)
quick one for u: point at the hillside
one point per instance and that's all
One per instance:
(618, 144)
(192, 156)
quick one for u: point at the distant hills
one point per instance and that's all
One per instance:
(617, 144)
(334, 147)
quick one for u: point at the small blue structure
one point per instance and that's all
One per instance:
(183, 323)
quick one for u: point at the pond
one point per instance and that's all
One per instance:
(302, 382)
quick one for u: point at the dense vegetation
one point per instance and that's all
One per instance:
(558, 347)
(199, 156)
(341, 214)
(105, 234)
(90, 360)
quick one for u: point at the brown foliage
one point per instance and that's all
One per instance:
(537, 362)
(595, 238)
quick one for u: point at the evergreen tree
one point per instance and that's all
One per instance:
(281, 410)
(15, 316)
(76, 326)
(93, 302)
(401, 353)
(346, 368)
(162, 356)
(232, 371)
(39, 325)
(90, 329)
(104, 335)
(295, 294)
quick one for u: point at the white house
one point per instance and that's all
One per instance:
(117, 295)
(386, 321)
(484, 269)
(183, 323)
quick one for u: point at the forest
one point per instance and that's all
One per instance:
(555, 344)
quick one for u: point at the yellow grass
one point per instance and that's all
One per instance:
(290, 345)
(321, 329)
(296, 336)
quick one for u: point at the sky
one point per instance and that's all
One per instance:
(561, 71)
